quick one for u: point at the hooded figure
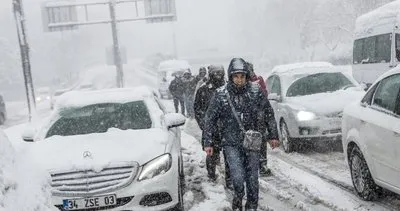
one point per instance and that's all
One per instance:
(189, 89)
(201, 78)
(176, 88)
(204, 94)
(255, 113)
(264, 170)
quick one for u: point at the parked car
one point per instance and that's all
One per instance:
(3, 111)
(371, 137)
(308, 101)
(113, 149)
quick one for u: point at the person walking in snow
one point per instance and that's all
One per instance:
(203, 96)
(264, 170)
(176, 88)
(245, 114)
(201, 78)
(189, 90)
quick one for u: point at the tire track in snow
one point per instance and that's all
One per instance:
(339, 184)
(295, 198)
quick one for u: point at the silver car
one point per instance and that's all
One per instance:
(308, 102)
(3, 112)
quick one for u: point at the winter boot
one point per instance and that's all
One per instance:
(264, 170)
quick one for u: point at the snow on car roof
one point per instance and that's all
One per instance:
(378, 21)
(116, 95)
(288, 68)
(174, 64)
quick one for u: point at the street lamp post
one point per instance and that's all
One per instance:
(20, 22)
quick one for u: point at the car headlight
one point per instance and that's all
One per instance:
(38, 98)
(157, 166)
(305, 116)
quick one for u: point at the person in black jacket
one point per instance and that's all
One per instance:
(203, 96)
(246, 100)
(176, 88)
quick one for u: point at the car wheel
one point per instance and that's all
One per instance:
(361, 176)
(287, 143)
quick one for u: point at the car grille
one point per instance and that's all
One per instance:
(88, 182)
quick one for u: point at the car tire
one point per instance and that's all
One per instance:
(287, 143)
(361, 177)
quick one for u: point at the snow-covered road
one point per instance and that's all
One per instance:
(306, 180)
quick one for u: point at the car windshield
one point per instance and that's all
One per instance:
(99, 118)
(319, 83)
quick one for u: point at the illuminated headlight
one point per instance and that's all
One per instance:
(38, 98)
(157, 166)
(48, 97)
(305, 116)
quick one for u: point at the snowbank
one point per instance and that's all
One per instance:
(23, 186)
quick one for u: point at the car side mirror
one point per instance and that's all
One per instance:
(28, 134)
(174, 120)
(274, 97)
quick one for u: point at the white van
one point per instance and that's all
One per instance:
(377, 39)
(166, 73)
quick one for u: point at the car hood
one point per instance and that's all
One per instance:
(97, 151)
(326, 103)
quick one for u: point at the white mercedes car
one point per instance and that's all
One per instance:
(114, 149)
(371, 137)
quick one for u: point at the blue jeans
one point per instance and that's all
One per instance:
(244, 166)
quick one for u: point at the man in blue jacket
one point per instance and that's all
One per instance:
(255, 113)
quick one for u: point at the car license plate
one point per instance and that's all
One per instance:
(90, 202)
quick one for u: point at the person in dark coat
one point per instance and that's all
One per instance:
(203, 96)
(201, 78)
(190, 83)
(255, 113)
(264, 170)
(176, 88)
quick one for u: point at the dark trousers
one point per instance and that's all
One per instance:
(244, 166)
(213, 160)
(178, 101)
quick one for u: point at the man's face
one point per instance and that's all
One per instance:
(239, 79)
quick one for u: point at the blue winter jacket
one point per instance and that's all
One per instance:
(252, 107)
